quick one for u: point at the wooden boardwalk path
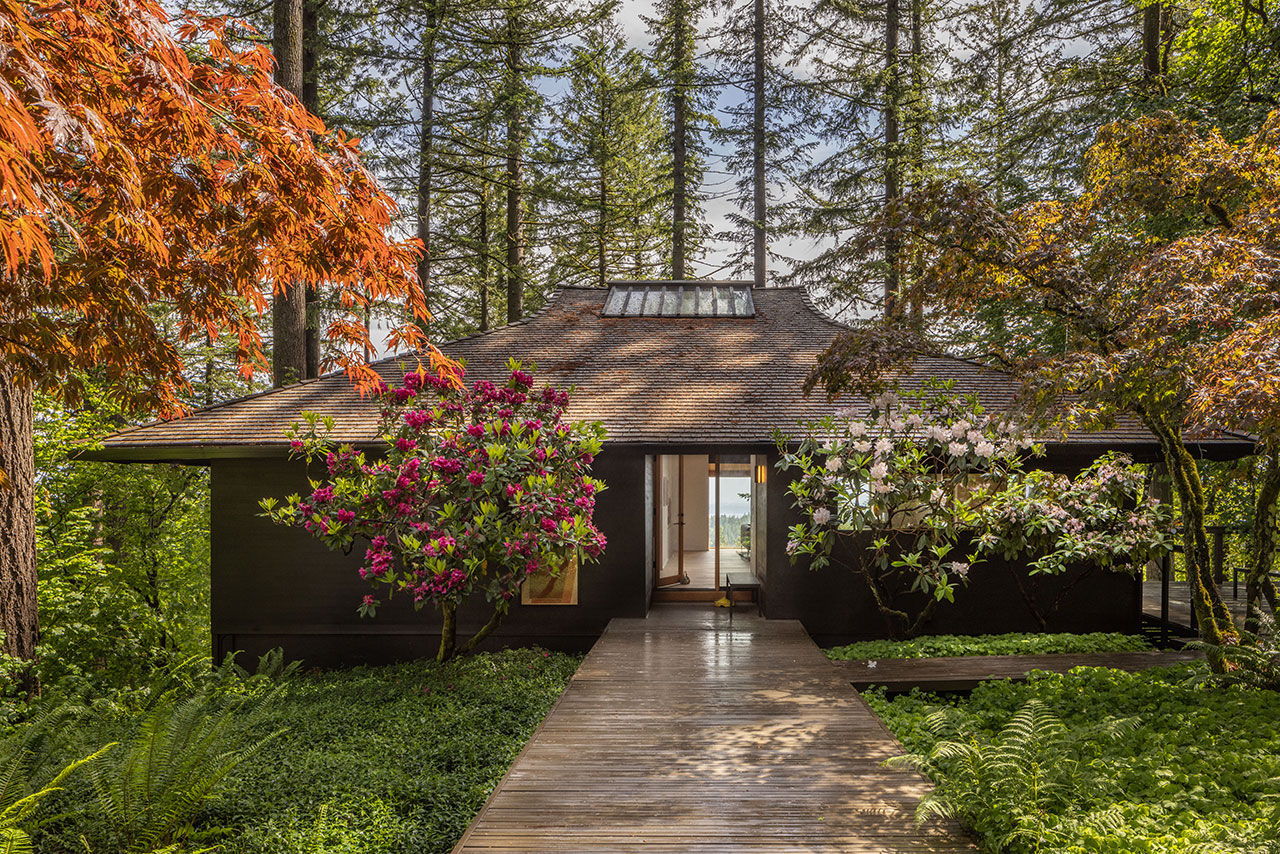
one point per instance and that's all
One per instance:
(678, 734)
(962, 673)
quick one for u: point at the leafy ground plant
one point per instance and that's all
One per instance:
(1100, 760)
(932, 646)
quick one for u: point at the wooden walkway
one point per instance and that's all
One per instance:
(963, 673)
(678, 734)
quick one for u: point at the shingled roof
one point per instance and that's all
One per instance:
(653, 381)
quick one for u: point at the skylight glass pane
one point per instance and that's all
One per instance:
(652, 302)
(687, 302)
(615, 301)
(670, 302)
(706, 302)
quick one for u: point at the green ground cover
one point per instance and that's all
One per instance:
(1101, 760)
(931, 646)
(369, 760)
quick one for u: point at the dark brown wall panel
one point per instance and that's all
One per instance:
(836, 607)
(275, 586)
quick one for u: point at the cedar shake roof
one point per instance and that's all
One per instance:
(655, 381)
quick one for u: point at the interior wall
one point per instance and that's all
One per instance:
(697, 503)
(669, 508)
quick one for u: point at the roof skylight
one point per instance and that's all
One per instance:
(679, 299)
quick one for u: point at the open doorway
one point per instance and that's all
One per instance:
(704, 516)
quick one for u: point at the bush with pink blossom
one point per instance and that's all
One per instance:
(478, 487)
(933, 484)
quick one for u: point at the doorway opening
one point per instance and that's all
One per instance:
(703, 513)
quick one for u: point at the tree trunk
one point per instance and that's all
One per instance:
(515, 169)
(311, 100)
(487, 629)
(679, 150)
(602, 200)
(1151, 41)
(892, 178)
(1263, 552)
(1216, 625)
(289, 307)
(916, 134)
(426, 142)
(758, 186)
(17, 510)
(448, 634)
(484, 257)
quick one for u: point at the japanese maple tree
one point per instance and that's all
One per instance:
(1152, 294)
(477, 489)
(156, 185)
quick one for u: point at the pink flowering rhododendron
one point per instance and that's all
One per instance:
(476, 488)
(924, 474)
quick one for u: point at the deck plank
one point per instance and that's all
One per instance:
(678, 734)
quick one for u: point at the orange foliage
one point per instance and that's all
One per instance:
(147, 196)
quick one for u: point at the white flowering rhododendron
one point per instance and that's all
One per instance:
(926, 475)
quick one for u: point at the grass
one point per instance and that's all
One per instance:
(932, 646)
(1101, 760)
(370, 760)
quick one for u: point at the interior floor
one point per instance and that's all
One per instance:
(700, 566)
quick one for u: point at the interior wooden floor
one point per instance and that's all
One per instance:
(701, 567)
(681, 734)
(1180, 601)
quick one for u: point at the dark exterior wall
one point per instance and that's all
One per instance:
(836, 607)
(274, 586)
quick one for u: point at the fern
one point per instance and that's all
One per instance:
(183, 750)
(1255, 662)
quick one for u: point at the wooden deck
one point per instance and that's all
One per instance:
(963, 673)
(678, 734)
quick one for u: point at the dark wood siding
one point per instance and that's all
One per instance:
(274, 586)
(835, 606)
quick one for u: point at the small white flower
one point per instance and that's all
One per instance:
(897, 425)
(878, 471)
(984, 449)
(883, 446)
(882, 486)
(960, 569)
(834, 463)
(862, 447)
(958, 449)
(938, 434)
(857, 428)
(821, 516)
(872, 664)
(974, 437)
(914, 420)
(960, 428)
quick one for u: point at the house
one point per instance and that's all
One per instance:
(691, 380)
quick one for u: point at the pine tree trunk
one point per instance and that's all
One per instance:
(892, 179)
(602, 200)
(679, 151)
(17, 512)
(426, 142)
(916, 132)
(759, 197)
(515, 169)
(483, 240)
(1151, 41)
(311, 100)
(289, 307)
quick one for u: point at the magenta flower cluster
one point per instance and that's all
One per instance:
(477, 488)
